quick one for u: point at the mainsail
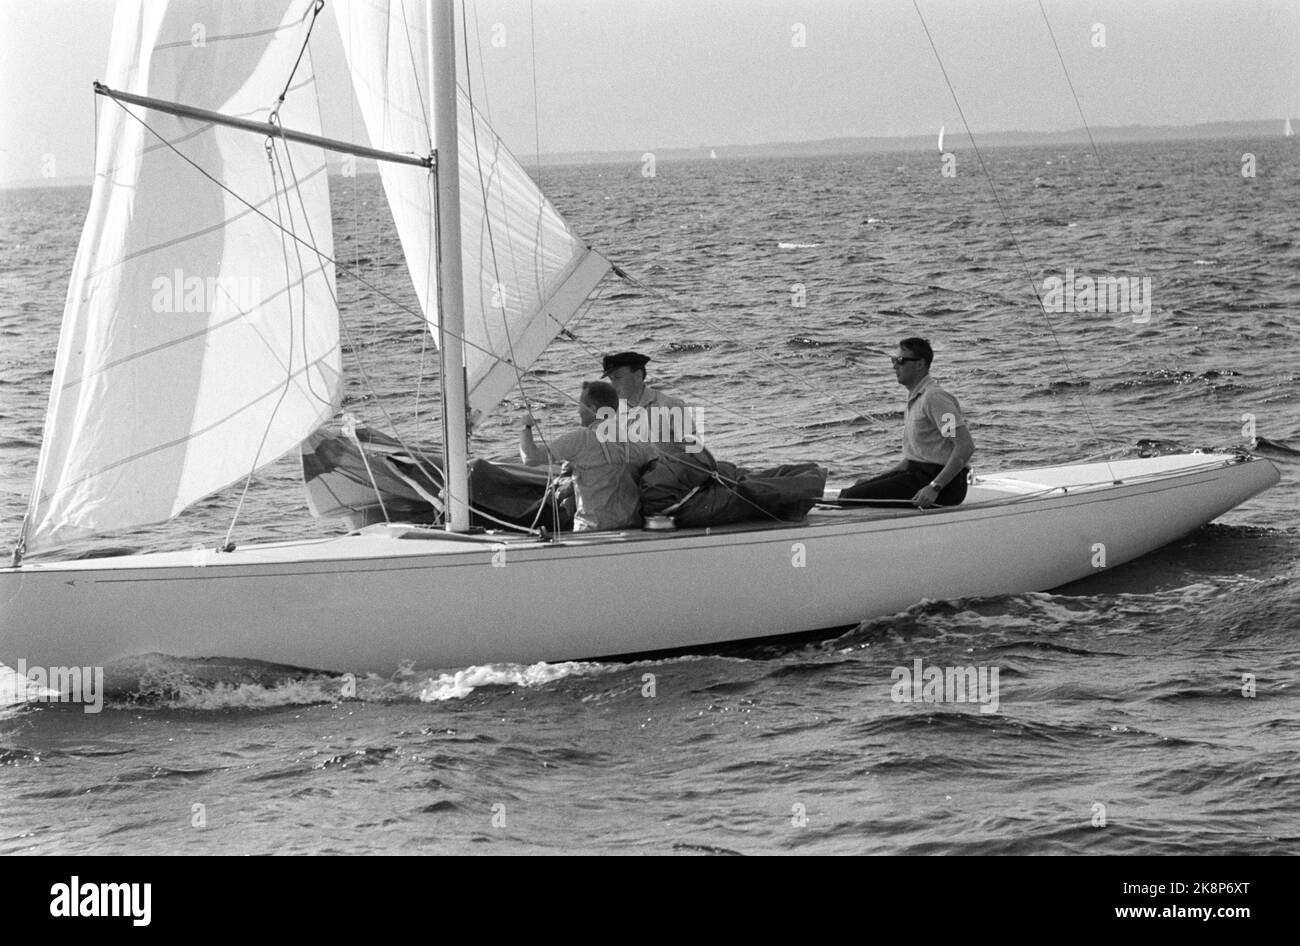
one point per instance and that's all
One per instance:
(198, 338)
(526, 273)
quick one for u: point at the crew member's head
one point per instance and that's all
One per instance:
(595, 395)
(626, 371)
(912, 362)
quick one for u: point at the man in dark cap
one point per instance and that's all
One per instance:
(668, 420)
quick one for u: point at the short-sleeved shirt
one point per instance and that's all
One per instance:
(672, 418)
(930, 422)
(604, 478)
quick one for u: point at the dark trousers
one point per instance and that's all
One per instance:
(903, 485)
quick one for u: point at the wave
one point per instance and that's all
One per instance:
(1275, 446)
(1167, 377)
(1059, 387)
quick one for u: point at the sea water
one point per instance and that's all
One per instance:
(1149, 709)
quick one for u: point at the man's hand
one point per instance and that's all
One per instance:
(925, 497)
(529, 454)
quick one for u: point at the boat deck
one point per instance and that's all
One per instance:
(390, 540)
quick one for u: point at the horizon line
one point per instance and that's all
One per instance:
(587, 156)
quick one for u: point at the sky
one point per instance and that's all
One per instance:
(636, 75)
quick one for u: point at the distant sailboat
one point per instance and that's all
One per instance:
(941, 130)
(156, 404)
(714, 155)
(1286, 129)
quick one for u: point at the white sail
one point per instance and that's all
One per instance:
(526, 273)
(197, 338)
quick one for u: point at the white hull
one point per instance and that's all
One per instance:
(371, 601)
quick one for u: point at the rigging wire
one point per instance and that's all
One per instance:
(1101, 164)
(297, 250)
(288, 379)
(537, 121)
(349, 430)
(1006, 219)
(315, 12)
(485, 193)
(538, 256)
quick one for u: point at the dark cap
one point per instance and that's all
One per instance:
(624, 359)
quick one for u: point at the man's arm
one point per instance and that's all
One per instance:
(963, 447)
(566, 446)
(960, 450)
(529, 453)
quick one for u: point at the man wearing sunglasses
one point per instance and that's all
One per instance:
(936, 443)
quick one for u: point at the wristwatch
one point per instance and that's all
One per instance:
(935, 485)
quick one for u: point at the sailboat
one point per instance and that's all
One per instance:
(201, 341)
(1286, 129)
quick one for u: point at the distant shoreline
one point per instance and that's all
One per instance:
(830, 147)
(955, 140)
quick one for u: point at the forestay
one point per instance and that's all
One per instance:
(197, 337)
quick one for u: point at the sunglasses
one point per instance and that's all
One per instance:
(898, 361)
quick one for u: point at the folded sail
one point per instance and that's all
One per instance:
(198, 338)
(526, 273)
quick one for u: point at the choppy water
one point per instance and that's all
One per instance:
(1124, 691)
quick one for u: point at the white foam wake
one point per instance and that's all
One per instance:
(455, 686)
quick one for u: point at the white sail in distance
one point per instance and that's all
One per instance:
(526, 273)
(185, 297)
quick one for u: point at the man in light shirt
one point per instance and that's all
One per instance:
(605, 468)
(936, 443)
